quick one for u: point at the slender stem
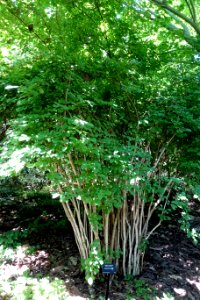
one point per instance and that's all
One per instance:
(124, 216)
(150, 233)
(114, 229)
(79, 241)
(106, 233)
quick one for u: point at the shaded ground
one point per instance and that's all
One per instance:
(172, 263)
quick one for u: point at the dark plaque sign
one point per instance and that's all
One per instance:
(109, 269)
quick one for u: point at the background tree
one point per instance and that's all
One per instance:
(180, 17)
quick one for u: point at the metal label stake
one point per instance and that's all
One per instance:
(108, 269)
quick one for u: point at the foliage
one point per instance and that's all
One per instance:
(12, 238)
(102, 98)
(93, 263)
(141, 289)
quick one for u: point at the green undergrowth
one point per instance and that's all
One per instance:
(35, 210)
(163, 297)
(143, 291)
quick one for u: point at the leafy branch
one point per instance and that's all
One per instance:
(168, 8)
(29, 27)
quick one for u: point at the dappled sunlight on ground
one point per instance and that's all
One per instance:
(195, 282)
(173, 264)
(16, 280)
(38, 259)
